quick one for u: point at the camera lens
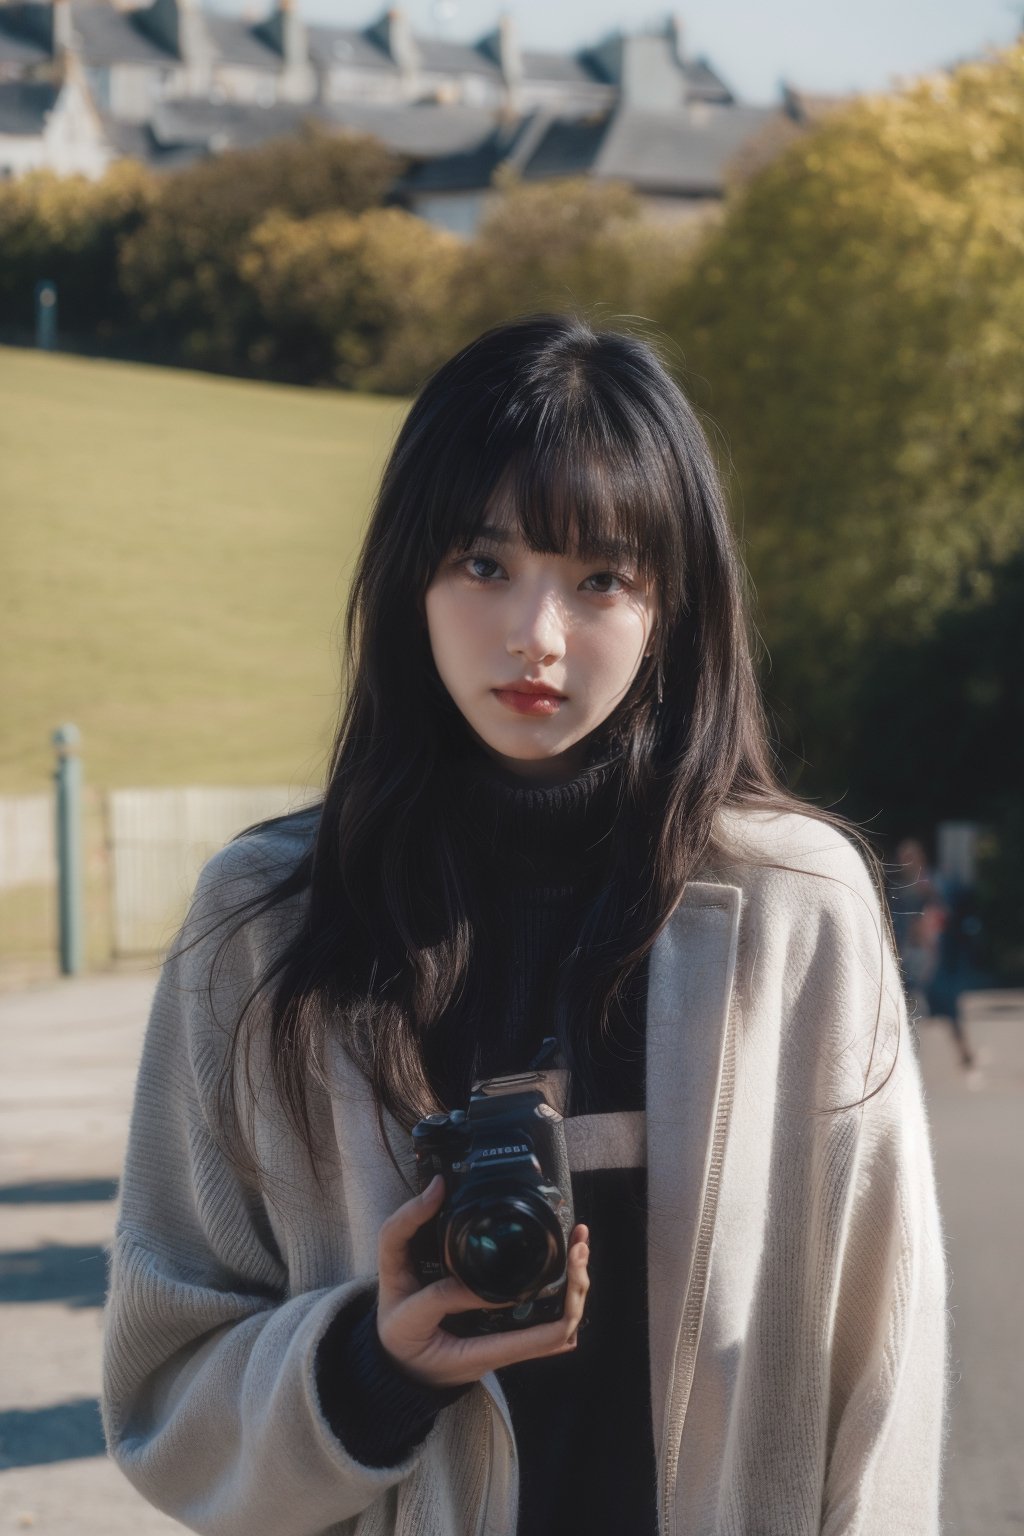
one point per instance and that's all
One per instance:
(505, 1248)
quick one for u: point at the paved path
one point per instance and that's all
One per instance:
(978, 1131)
(69, 1053)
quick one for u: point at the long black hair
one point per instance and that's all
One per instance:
(587, 437)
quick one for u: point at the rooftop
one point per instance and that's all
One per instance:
(24, 105)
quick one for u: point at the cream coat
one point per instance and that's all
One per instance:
(797, 1277)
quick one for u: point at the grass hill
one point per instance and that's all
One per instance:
(176, 550)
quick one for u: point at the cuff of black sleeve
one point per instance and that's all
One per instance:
(378, 1412)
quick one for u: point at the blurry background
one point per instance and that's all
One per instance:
(232, 244)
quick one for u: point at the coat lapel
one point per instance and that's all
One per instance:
(692, 966)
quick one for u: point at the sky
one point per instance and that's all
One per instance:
(818, 45)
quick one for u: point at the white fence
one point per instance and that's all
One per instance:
(156, 843)
(160, 839)
(27, 844)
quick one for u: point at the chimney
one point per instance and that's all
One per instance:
(63, 29)
(675, 30)
(644, 67)
(285, 31)
(394, 34)
(178, 26)
(502, 45)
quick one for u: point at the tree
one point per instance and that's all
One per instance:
(180, 268)
(69, 228)
(854, 326)
(360, 300)
(945, 742)
(569, 244)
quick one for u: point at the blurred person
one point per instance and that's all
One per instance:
(919, 916)
(550, 815)
(926, 923)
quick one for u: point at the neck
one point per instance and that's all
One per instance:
(539, 772)
(526, 830)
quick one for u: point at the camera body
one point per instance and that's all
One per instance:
(507, 1215)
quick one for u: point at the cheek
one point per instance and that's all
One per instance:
(614, 650)
(450, 624)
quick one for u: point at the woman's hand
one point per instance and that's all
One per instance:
(409, 1317)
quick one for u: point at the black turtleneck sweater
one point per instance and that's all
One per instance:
(534, 856)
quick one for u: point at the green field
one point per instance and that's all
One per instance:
(175, 551)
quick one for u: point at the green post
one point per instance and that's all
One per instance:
(46, 314)
(68, 778)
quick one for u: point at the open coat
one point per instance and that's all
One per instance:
(797, 1278)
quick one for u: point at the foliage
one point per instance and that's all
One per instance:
(1001, 892)
(573, 243)
(858, 317)
(68, 229)
(946, 742)
(379, 300)
(280, 262)
(947, 712)
(180, 268)
(359, 300)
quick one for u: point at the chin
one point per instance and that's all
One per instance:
(541, 754)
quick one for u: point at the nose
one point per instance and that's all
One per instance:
(536, 628)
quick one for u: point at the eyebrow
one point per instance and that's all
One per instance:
(606, 549)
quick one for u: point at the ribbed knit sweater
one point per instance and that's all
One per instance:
(796, 1276)
(534, 855)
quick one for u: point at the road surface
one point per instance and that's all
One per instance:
(69, 1052)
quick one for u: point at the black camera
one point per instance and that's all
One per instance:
(507, 1216)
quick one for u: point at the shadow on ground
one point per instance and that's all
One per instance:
(74, 1275)
(34, 1437)
(59, 1192)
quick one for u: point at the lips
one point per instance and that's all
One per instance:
(532, 690)
(533, 701)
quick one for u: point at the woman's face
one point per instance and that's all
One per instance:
(499, 614)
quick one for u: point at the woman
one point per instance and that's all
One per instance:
(758, 1256)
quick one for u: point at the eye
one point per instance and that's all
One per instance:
(610, 576)
(468, 560)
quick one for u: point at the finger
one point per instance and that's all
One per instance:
(558, 1337)
(452, 1295)
(577, 1277)
(467, 1359)
(424, 1309)
(576, 1292)
(404, 1223)
(492, 1352)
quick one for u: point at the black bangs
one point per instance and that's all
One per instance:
(590, 506)
(587, 468)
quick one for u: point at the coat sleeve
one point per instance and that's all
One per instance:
(209, 1396)
(889, 1347)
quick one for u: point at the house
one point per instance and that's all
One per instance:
(135, 56)
(167, 81)
(52, 125)
(670, 131)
